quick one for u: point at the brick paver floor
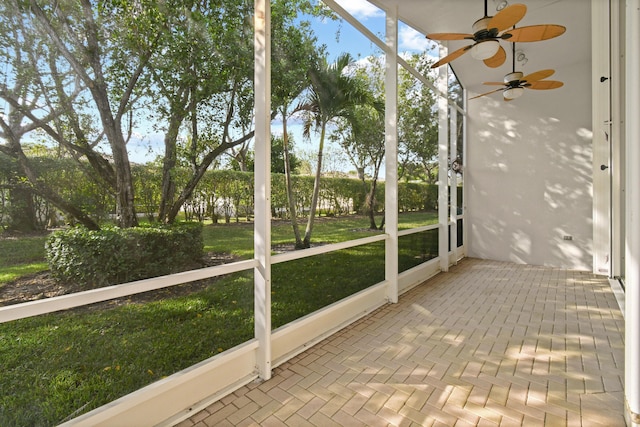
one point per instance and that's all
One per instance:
(486, 344)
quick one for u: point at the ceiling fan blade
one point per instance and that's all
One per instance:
(487, 93)
(508, 17)
(544, 85)
(449, 36)
(497, 59)
(538, 75)
(533, 33)
(455, 54)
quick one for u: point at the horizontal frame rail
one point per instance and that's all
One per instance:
(290, 256)
(64, 302)
(418, 230)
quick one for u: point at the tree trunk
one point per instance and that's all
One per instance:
(371, 201)
(125, 208)
(306, 243)
(287, 180)
(168, 166)
(372, 197)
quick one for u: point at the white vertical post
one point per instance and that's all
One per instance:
(453, 149)
(601, 133)
(465, 190)
(391, 156)
(632, 279)
(617, 146)
(443, 164)
(262, 177)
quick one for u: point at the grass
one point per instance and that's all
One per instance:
(308, 284)
(238, 238)
(12, 272)
(21, 256)
(61, 365)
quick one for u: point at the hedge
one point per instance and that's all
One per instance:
(113, 255)
(224, 194)
(221, 195)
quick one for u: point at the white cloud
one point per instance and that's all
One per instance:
(360, 9)
(410, 39)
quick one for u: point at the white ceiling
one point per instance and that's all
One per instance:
(574, 46)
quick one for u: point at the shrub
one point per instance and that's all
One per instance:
(114, 255)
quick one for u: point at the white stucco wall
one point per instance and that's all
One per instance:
(528, 174)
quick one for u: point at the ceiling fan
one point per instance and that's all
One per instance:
(516, 82)
(487, 32)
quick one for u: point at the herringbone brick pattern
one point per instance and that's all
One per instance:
(486, 344)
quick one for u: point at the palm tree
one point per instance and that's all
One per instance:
(333, 93)
(293, 54)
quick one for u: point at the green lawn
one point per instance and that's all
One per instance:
(60, 365)
(20, 257)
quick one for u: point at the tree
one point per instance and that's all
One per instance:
(363, 136)
(205, 76)
(90, 65)
(76, 32)
(278, 162)
(39, 95)
(417, 123)
(294, 53)
(277, 158)
(363, 139)
(202, 83)
(86, 64)
(333, 93)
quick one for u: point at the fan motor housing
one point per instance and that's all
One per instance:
(481, 30)
(514, 77)
(481, 24)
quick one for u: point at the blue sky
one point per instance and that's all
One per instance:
(373, 18)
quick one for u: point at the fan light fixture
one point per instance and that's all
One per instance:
(485, 50)
(500, 4)
(513, 93)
